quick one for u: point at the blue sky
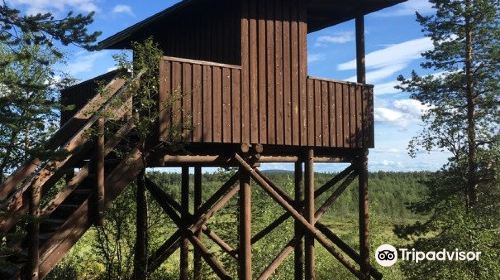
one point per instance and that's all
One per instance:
(393, 45)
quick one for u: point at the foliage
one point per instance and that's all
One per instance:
(28, 80)
(17, 29)
(462, 199)
(462, 98)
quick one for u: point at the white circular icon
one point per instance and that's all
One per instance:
(386, 255)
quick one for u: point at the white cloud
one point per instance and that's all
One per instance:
(337, 38)
(411, 107)
(55, 6)
(401, 113)
(386, 88)
(84, 62)
(408, 8)
(315, 57)
(123, 9)
(386, 62)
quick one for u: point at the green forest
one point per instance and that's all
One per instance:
(107, 252)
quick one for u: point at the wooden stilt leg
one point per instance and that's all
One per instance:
(299, 241)
(197, 204)
(245, 254)
(184, 264)
(33, 233)
(100, 174)
(141, 241)
(309, 214)
(363, 217)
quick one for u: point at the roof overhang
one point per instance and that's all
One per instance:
(320, 13)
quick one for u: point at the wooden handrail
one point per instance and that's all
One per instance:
(201, 62)
(15, 204)
(340, 82)
(59, 138)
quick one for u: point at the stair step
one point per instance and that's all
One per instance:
(51, 224)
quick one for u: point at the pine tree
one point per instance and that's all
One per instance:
(463, 198)
(29, 84)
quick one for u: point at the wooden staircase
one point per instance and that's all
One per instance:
(58, 215)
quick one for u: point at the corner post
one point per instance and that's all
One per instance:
(33, 233)
(184, 254)
(245, 201)
(298, 231)
(363, 216)
(141, 228)
(360, 49)
(362, 161)
(309, 210)
(197, 204)
(100, 191)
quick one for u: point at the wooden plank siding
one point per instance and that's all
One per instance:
(201, 35)
(274, 59)
(205, 98)
(208, 104)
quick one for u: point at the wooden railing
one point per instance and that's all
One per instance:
(206, 104)
(200, 98)
(339, 114)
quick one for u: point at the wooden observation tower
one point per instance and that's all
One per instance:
(247, 99)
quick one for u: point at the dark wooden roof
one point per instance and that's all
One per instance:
(321, 14)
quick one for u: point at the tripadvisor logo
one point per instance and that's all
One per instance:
(387, 255)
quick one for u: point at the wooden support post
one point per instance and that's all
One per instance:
(245, 253)
(197, 204)
(363, 159)
(308, 227)
(309, 214)
(100, 193)
(184, 252)
(363, 217)
(298, 232)
(141, 229)
(360, 49)
(33, 233)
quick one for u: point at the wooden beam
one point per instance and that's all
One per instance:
(360, 49)
(164, 251)
(33, 233)
(277, 261)
(309, 228)
(141, 239)
(346, 248)
(364, 244)
(184, 256)
(99, 215)
(309, 215)
(245, 230)
(209, 258)
(197, 203)
(335, 195)
(298, 231)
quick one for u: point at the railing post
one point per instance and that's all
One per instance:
(197, 204)
(100, 192)
(309, 215)
(184, 262)
(245, 229)
(34, 233)
(298, 231)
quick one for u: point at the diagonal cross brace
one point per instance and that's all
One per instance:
(162, 198)
(309, 228)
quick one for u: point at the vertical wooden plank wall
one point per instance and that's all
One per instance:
(197, 34)
(205, 101)
(274, 70)
(340, 114)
